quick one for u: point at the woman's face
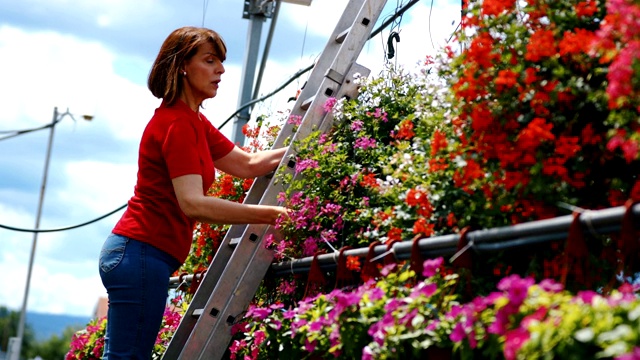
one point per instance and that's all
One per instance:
(204, 70)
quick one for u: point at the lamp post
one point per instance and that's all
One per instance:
(14, 351)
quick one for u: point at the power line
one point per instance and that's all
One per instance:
(64, 228)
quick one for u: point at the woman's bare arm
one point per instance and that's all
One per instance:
(209, 209)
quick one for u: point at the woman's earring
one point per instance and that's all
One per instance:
(184, 73)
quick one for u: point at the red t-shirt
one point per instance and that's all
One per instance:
(175, 142)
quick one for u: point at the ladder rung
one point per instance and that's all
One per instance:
(197, 312)
(235, 241)
(340, 38)
(305, 104)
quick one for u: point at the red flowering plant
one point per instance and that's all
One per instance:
(361, 182)
(88, 344)
(515, 126)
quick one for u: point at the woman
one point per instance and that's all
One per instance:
(175, 169)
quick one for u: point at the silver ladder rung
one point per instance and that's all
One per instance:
(340, 38)
(197, 312)
(305, 104)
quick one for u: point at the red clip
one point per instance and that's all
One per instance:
(316, 281)
(390, 258)
(196, 280)
(370, 269)
(416, 257)
(629, 246)
(576, 259)
(344, 276)
(463, 258)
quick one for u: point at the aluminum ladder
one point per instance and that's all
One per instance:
(241, 262)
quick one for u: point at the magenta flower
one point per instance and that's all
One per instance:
(458, 334)
(587, 296)
(516, 287)
(364, 143)
(309, 346)
(328, 105)
(258, 313)
(431, 266)
(514, 340)
(295, 120)
(550, 286)
(305, 165)
(634, 355)
(356, 125)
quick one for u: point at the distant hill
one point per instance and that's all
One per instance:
(46, 325)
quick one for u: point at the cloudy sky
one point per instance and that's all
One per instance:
(93, 57)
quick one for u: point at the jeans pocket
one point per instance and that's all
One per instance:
(112, 252)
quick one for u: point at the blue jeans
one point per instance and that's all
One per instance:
(136, 276)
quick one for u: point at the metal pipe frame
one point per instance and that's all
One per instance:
(596, 222)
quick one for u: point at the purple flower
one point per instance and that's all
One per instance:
(258, 313)
(516, 287)
(431, 266)
(357, 125)
(514, 340)
(458, 334)
(424, 289)
(306, 164)
(634, 355)
(364, 143)
(328, 105)
(587, 296)
(550, 286)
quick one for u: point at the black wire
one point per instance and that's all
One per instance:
(291, 79)
(64, 228)
(15, 133)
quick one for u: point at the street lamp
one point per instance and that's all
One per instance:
(14, 350)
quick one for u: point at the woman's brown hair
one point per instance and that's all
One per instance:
(181, 45)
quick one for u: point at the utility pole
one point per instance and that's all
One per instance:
(16, 343)
(256, 11)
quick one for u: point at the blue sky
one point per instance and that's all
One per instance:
(93, 58)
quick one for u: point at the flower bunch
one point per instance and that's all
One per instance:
(525, 320)
(395, 317)
(88, 343)
(399, 317)
(506, 130)
(618, 44)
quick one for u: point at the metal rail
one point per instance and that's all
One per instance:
(596, 222)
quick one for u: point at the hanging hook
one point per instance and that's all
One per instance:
(390, 50)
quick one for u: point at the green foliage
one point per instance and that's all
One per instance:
(9, 321)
